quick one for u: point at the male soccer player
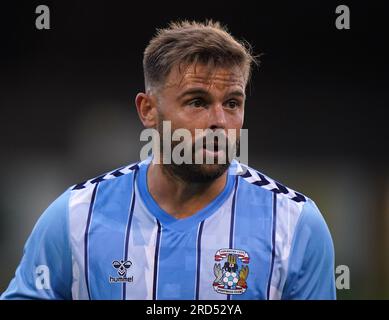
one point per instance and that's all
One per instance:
(165, 230)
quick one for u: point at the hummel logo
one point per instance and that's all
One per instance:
(121, 267)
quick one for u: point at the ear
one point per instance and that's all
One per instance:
(147, 110)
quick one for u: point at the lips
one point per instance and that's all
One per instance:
(211, 146)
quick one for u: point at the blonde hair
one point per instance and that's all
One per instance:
(190, 42)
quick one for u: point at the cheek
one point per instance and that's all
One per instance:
(191, 120)
(235, 121)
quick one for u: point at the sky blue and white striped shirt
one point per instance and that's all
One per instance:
(107, 238)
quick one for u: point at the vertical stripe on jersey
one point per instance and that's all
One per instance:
(253, 224)
(288, 213)
(107, 234)
(215, 235)
(86, 247)
(141, 251)
(232, 224)
(177, 264)
(128, 228)
(273, 242)
(156, 258)
(79, 207)
(198, 264)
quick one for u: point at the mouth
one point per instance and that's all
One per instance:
(211, 146)
(212, 150)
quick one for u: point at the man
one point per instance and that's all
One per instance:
(162, 230)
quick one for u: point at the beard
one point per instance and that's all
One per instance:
(197, 173)
(193, 172)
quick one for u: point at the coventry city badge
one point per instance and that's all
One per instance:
(231, 271)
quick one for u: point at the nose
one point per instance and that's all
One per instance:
(217, 118)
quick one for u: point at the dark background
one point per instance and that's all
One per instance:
(317, 110)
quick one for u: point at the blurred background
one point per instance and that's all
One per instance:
(317, 111)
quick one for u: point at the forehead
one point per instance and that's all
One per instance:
(220, 78)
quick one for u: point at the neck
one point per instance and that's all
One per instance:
(180, 198)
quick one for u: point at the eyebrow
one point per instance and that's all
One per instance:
(201, 91)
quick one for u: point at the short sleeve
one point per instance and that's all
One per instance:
(311, 265)
(45, 270)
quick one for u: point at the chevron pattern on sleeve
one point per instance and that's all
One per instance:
(107, 176)
(259, 179)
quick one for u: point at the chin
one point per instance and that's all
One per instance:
(198, 173)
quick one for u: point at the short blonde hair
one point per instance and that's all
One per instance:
(191, 42)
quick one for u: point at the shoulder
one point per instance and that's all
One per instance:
(110, 176)
(292, 208)
(259, 180)
(301, 241)
(53, 223)
(312, 233)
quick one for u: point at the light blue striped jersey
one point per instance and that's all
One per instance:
(107, 238)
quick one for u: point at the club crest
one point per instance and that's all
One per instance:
(231, 271)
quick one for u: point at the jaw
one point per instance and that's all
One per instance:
(197, 173)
